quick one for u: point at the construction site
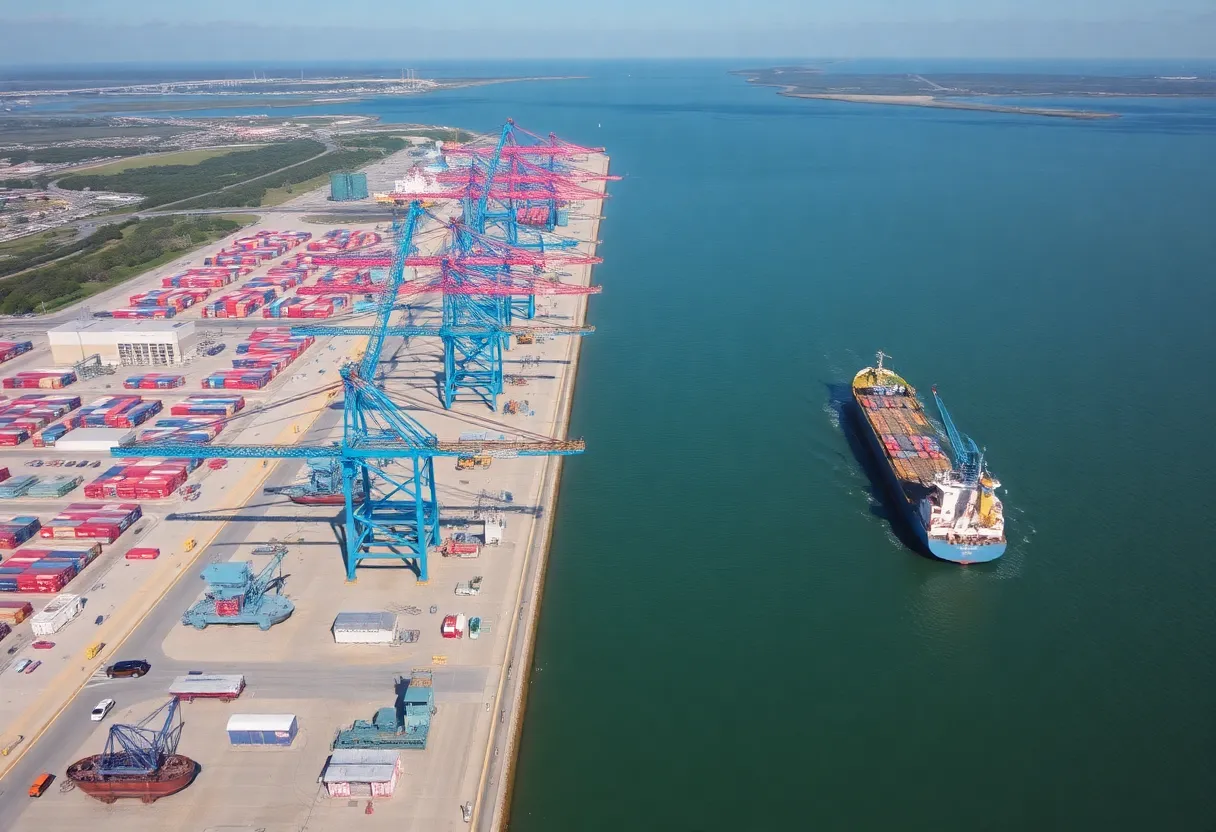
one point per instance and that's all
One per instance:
(298, 529)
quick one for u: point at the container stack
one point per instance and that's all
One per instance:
(144, 313)
(11, 349)
(104, 522)
(252, 379)
(23, 416)
(239, 304)
(342, 281)
(221, 405)
(49, 436)
(207, 278)
(147, 479)
(15, 487)
(16, 529)
(178, 300)
(14, 612)
(343, 239)
(116, 412)
(46, 569)
(154, 381)
(200, 429)
(57, 486)
(536, 215)
(251, 251)
(39, 379)
(320, 307)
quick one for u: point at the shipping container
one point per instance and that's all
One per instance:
(262, 729)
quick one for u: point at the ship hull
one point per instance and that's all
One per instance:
(940, 549)
(176, 774)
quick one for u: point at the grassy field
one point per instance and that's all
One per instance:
(27, 245)
(128, 250)
(277, 196)
(162, 184)
(182, 157)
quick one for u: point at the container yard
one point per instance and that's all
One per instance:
(154, 524)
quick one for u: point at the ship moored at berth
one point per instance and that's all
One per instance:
(949, 501)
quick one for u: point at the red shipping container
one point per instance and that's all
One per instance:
(143, 553)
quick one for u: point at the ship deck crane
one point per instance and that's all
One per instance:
(967, 457)
(141, 749)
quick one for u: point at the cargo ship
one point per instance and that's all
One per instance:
(949, 501)
(173, 775)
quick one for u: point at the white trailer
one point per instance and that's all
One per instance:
(55, 616)
(207, 686)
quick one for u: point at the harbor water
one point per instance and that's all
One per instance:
(733, 634)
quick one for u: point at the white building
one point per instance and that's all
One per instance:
(131, 343)
(365, 628)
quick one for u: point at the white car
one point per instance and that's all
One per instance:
(103, 708)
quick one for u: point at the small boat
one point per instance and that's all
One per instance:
(474, 627)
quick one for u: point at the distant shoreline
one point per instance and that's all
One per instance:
(941, 104)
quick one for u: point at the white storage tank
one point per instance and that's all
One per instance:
(365, 628)
(262, 729)
(53, 618)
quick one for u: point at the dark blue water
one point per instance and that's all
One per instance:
(733, 636)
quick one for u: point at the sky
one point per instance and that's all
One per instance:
(79, 31)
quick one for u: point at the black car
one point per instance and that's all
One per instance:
(134, 667)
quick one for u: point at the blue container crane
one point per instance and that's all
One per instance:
(398, 519)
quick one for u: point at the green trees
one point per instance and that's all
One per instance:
(124, 251)
(163, 184)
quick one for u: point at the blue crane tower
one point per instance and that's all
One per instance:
(479, 289)
(967, 458)
(386, 455)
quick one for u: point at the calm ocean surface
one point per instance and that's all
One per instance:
(733, 637)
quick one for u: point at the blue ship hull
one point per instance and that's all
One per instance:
(940, 549)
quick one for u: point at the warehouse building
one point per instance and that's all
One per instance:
(362, 772)
(262, 729)
(131, 343)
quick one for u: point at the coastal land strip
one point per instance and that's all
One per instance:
(959, 91)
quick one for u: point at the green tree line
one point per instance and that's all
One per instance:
(139, 246)
(61, 155)
(250, 194)
(162, 184)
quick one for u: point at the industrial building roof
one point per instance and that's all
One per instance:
(261, 722)
(361, 765)
(124, 325)
(365, 622)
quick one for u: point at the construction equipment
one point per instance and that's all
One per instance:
(236, 596)
(94, 649)
(470, 587)
(405, 725)
(91, 367)
(140, 749)
(189, 544)
(139, 760)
